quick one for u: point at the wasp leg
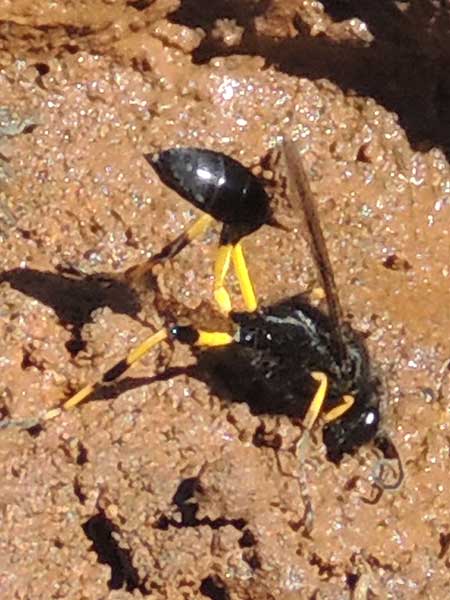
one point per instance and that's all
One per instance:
(226, 254)
(338, 411)
(313, 413)
(221, 268)
(184, 334)
(318, 400)
(171, 249)
(316, 407)
(111, 375)
(242, 274)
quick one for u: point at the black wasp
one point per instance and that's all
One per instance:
(289, 358)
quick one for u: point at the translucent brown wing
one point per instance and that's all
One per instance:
(303, 198)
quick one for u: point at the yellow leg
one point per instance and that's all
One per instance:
(213, 338)
(312, 415)
(172, 248)
(184, 334)
(187, 334)
(318, 400)
(240, 268)
(338, 411)
(116, 371)
(221, 268)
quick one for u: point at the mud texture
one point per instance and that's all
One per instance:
(162, 489)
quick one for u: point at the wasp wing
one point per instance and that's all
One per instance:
(303, 198)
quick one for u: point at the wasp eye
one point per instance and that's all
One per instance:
(352, 430)
(372, 417)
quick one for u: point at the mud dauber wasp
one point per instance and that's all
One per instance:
(288, 358)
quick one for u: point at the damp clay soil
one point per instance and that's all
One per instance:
(159, 488)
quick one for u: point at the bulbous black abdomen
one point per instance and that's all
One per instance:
(216, 184)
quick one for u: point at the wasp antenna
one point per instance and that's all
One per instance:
(390, 454)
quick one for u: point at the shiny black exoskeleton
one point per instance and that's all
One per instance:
(269, 367)
(276, 349)
(216, 184)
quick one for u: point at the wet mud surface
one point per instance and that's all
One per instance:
(160, 488)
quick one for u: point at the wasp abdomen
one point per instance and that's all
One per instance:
(214, 183)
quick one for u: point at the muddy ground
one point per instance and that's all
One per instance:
(163, 489)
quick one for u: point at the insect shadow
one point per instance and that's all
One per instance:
(73, 296)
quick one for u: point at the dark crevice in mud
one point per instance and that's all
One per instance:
(75, 31)
(214, 588)
(188, 509)
(77, 490)
(396, 263)
(352, 580)
(444, 542)
(248, 539)
(204, 15)
(75, 345)
(5, 413)
(326, 570)
(252, 559)
(139, 4)
(266, 439)
(71, 48)
(42, 68)
(82, 456)
(249, 554)
(28, 361)
(99, 530)
(165, 522)
(374, 562)
(35, 431)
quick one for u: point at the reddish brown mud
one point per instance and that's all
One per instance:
(160, 489)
